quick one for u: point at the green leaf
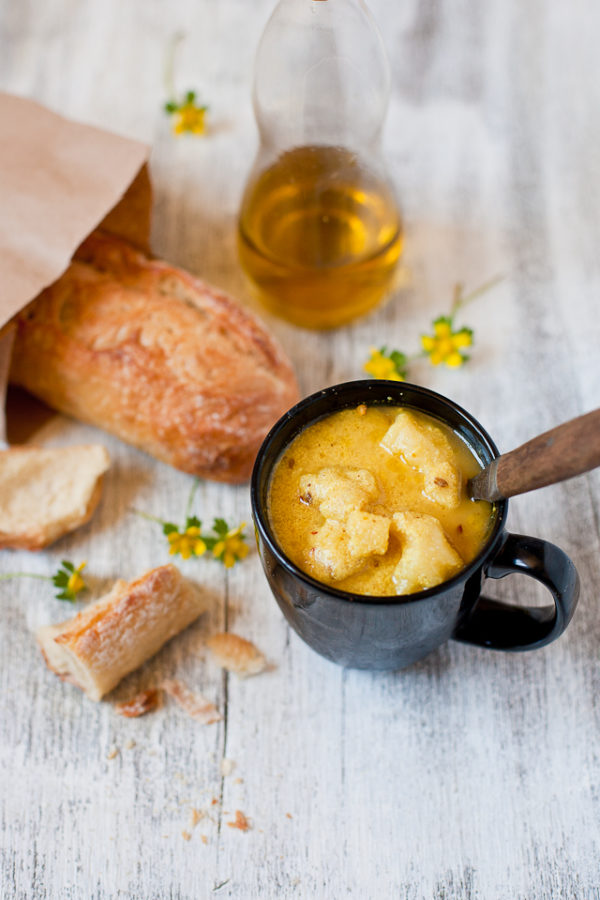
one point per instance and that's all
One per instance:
(65, 596)
(442, 320)
(68, 565)
(61, 579)
(211, 542)
(171, 107)
(193, 522)
(190, 96)
(221, 527)
(400, 360)
(169, 528)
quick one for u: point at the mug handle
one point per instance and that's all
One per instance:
(502, 626)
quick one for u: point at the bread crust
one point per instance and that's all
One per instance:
(155, 356)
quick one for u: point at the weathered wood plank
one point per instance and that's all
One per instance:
(472, 774)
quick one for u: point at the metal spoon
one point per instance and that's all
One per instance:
(565, 451)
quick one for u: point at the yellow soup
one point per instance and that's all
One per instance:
(372, 500)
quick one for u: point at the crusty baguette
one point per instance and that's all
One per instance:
(157, 357)
(47, 492)
(121, 630)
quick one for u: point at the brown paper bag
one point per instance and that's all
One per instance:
(58, 181)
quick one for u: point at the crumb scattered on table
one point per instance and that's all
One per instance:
(114, 751)
(195, 705)
(196, 815)
(186, 835)
(130, 744)
(227, 767)
(139, 704)
(240, 822)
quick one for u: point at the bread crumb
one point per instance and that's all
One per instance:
(227, 767)
(140, 704)
(130, 744)
(204, 839)
(195, 816)
(214, 801)
(288, 816)
(195, 705)
(239, 781)
(186, 835)
(236, 654)
(240, 822)
(114, 751)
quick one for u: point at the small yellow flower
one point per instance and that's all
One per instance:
(444, 345)
(190, 118)
(385, 367)
(67, 579)
(186, 542)
(75, 584)
(231, 547)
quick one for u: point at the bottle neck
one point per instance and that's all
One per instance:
(321, 76)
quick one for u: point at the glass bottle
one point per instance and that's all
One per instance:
(319, 230)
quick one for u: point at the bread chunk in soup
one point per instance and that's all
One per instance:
(423, 446)
(427, 556)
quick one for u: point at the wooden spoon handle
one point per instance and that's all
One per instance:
(566, 450)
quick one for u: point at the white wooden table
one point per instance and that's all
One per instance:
(472, 774)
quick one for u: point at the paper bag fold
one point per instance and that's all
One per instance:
(58, 181)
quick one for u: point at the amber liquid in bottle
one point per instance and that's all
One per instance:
(320, 236)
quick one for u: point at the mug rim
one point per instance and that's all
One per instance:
(261, 520)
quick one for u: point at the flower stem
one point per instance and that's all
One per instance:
(459, 301)
(146, 515)
(188, 508)
(7, 575)
(169, 72)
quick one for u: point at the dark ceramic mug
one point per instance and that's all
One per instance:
(392, 632)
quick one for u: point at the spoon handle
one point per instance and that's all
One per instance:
(563, 452)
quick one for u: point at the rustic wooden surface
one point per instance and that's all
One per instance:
(472, 774)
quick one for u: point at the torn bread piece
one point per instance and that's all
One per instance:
(330, 552)
(116, 634)
(339, 490)
(367, 534)
(428, 558)
(47, 492)
(236, 654)
(424, 447)
(342, 549)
